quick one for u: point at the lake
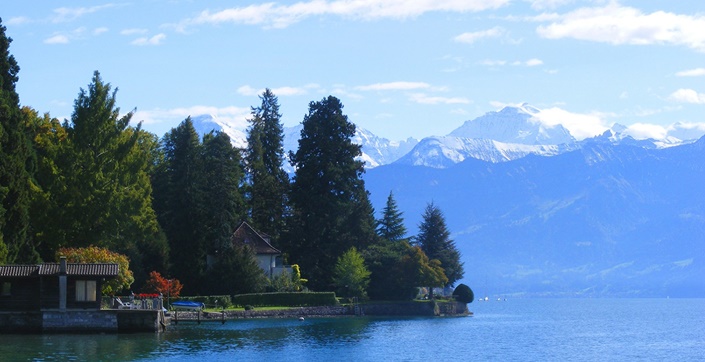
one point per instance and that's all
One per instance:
(511, 330)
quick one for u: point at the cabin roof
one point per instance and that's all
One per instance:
(246, 234)
(73, 269)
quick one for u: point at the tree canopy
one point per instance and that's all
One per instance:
(268, 181)
(434, 239)
(93, 254)
(331, 208)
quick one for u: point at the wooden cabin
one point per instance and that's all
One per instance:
(53, 286)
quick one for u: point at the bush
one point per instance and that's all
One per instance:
(211, 301)
(463, 294)
(285, 299)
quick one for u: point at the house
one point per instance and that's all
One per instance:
(53, 286)
(269, 258)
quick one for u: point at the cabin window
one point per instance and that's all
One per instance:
(6, 289)
(85, 290)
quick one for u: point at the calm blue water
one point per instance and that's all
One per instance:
(513, 330)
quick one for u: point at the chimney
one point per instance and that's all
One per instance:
(62, 283)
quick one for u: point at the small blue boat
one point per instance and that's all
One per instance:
(187, 305)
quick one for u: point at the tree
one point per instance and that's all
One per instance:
(179, 202)
(350, 275)
(391, 225)
(268, 182)
(94, 177)
(236, 272)
(421, 270)
(93, 254)
(331, 208)
(463, 294)
(223, 204)
(434, 239)
(15, 156)
(160, 285)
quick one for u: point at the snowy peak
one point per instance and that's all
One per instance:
(206, 123)
(515, 125)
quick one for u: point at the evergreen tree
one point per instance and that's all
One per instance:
(434, 239)
(268, 182)
(94, 177)
(178, 202)
(223, 202)
(331, 208)
(235, 272)
(391, 225)
(15, 157)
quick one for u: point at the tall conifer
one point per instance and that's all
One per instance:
(268, 182)
(331, 208)
(15, 154)
(434, 239)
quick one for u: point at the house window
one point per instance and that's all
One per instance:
(6, 289)
(85, 290)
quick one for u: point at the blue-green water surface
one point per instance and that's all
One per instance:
(511, 330)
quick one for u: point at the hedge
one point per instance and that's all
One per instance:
(285, 299)
(211, 301)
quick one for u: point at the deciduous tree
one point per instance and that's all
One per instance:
(93, 254)
(350, 275)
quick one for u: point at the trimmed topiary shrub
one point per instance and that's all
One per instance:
(464, 294)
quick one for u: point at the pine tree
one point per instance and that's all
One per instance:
(268, 182)
(223, 202)
(391, 225)
(331, 208)
(434, 239)
(94, 176)
(178, 202)
(15, 155)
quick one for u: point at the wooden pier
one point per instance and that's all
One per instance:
(199, 317)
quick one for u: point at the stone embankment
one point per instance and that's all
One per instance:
(369, 309)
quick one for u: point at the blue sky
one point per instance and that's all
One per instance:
(402, 68)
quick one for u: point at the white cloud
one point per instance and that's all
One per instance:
(617, 24)
(280, 16)
(393, 86)
(533, 62)
(498, 63)
(69, 14)
(687, 96)
(155, 40)
(581, 126)
(425, 99)
(19, 20)
(697, 72)
(472, 37)
(247, 90)
(642, 131)
(547, 4)
(57, 39)
(133, 31)
(101, 30)
(235, 116)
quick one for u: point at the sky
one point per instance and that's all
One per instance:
(402, 68)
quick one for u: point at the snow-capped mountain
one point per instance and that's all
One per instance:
(376, 151)
(514, 125)
(602, 220)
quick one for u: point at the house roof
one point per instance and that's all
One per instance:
(92, 269)
(18, 270)
(73, 269)
(246, 234)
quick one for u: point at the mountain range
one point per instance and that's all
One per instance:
(536, 212)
